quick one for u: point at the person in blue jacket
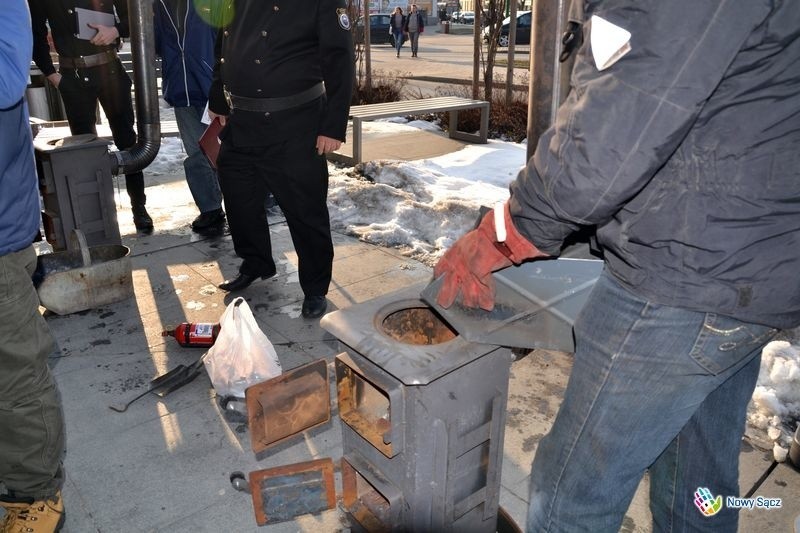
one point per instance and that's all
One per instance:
(31, 418)
(682, 149)
(184, 39)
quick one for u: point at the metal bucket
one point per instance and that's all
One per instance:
(84, 278)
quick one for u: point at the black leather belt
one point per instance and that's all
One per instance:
(271, 105)
(93, 60)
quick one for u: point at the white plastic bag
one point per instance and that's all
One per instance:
(242, 355)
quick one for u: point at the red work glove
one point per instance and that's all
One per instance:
(468, 265)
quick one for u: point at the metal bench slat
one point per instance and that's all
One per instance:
(451, 104)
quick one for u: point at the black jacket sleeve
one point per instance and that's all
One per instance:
(618, 126)
(123, 26)
(41, 48)
(337, 61)
(216, 95)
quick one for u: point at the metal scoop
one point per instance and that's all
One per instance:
(166, 383)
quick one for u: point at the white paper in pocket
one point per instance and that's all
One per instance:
(609, 42)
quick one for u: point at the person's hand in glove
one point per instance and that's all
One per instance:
(468, 265)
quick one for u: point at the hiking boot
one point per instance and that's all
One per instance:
(12, 509)
(26, 515)
(141, 219)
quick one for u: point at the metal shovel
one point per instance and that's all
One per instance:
(166, 383)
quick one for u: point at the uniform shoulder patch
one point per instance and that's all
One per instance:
(344, 20)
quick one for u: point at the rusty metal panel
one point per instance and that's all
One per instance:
(285, 492)
(281, 407)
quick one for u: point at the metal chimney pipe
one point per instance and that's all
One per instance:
(148, 122)
(549, 79)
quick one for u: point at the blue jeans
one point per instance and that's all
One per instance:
(200, 176)
(398, 40)
(651, 387)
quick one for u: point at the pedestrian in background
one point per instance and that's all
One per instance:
(90, 71)
(184, 39)
(282, 86)
(682, 148)
(397, 27)
(414, 26)
(31, 418)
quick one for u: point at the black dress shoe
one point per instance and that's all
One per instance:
(314, 306)
(242, 281)
(141, 219)
(208, 220)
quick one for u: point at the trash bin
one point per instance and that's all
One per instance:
(44, 102)
(446, 26)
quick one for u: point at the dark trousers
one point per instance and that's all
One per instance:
(109, 84)
(298, 178)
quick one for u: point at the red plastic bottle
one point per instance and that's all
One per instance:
(194, 335)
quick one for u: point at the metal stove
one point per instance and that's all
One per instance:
(422, 394)
(423, 412)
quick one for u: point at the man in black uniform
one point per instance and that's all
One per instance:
(90, 71)
(282, 87)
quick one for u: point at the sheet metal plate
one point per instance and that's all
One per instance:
(536, 304)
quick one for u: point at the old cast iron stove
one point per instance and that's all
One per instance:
(423, 413)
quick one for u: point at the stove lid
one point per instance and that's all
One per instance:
(536, 304)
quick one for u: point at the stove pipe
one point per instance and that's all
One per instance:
(148, 124)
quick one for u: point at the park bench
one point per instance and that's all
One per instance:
(452, 104)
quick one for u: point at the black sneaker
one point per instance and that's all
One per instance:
(209, 219)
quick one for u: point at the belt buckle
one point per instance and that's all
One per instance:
(228, 99)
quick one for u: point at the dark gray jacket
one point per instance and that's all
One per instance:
(685, 154)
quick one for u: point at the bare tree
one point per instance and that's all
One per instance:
(512, 41)
(493, 11)
(354, 10)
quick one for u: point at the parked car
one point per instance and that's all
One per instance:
(467, 17)
(379, 33)
(524, 19)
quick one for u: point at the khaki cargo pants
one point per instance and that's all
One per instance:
(31, 418)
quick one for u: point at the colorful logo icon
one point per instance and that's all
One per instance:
(706, 503)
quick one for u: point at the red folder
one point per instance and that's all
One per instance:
(209, 142)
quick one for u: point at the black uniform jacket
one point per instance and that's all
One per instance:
(63, 25)
(281, 48)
